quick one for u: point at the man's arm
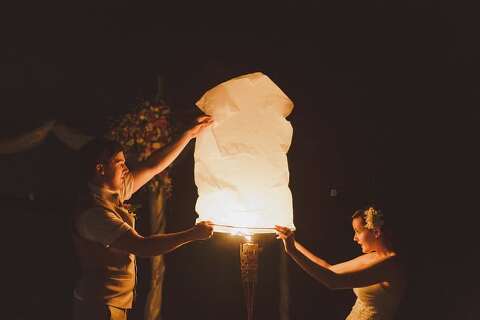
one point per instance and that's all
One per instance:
(159, 244)
(162, 158)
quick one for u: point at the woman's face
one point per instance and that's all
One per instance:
(363, 236)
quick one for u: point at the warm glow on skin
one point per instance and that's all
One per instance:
(370, 240)
(113, 172)
(363, 236)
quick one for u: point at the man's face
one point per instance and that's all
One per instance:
(114, 171)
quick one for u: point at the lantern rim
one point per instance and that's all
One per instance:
(244, 229)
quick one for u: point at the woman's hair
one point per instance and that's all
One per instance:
(98, 150)
(372, 217)
(359, 214)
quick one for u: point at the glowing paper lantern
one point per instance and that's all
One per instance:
(241, 167)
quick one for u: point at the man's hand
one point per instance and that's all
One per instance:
(202, 230)
(287, 236)
(201, 123)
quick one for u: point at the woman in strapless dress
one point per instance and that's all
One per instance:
(376, 277)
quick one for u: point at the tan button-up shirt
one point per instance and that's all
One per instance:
(108, 274)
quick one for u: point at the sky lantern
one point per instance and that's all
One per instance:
(241, 167)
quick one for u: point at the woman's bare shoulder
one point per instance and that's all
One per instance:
(392, 260)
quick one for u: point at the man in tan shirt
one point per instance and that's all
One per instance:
(104, 230)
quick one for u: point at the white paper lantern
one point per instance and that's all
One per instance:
(241, 167)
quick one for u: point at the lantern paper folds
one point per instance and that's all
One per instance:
(241, 167)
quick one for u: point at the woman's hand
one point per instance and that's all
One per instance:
(287, 236)
(201, 123)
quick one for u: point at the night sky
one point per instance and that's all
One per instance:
(386, 108)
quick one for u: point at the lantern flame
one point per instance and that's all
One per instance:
(243, 232)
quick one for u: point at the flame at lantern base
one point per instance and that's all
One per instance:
(228, 213)
(249, 253)
(246, 231)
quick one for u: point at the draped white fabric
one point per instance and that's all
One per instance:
(25, 141)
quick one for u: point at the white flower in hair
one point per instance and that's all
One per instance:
(373, 218)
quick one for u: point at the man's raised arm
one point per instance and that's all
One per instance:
(162, 158)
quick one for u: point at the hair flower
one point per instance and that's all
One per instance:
(373, 218)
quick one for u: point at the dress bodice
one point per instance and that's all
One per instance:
(377, 301)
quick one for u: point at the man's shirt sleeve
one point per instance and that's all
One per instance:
(100, 225)
(127, 188)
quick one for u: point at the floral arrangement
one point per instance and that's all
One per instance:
(142, 132)
(373, 218)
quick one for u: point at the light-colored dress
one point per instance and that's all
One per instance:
(377, 302)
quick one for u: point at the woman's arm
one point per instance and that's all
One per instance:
(343, 267)
(312, 257)
(359, 272)
(361, 277)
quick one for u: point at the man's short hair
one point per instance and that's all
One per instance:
(98, 150)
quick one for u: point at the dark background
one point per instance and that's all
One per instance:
(386, 108)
